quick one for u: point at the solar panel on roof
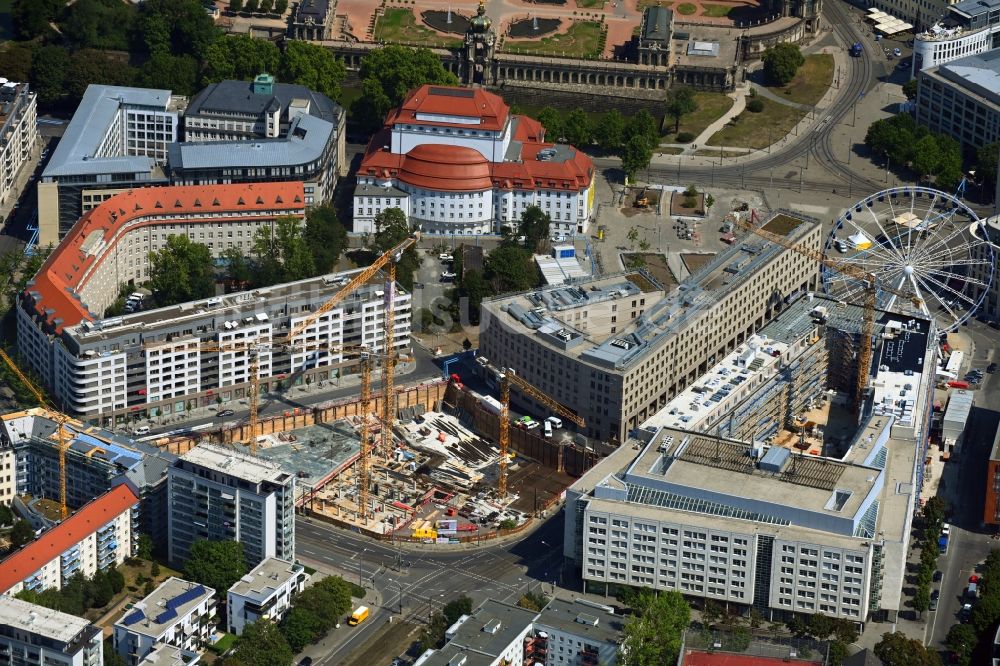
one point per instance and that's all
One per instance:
(184, 597)
(452, 92)
(133, 617)
(166, 616)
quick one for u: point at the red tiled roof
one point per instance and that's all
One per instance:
(431, 100)
(88, 519)
(695, 658)
(62, 277)
(438, 166)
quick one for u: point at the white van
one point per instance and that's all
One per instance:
(141, 430)
(555, 421)
(548, 428)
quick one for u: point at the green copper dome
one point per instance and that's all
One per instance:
(480, 22)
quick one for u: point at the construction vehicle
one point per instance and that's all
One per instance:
(507, 377)
(872, 288)
(642, 199)
(62, 439)
(358, 616)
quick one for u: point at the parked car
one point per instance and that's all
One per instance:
(937, 576)
(946, 529)
(991, 368)
(555, 421)
(448, 275)
(141, 430)
(896, 52)
(224, 412)
(974, 578)
(934, 600)
(444, 256)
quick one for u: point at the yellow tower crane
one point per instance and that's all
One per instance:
(63, 442)
(849, 270)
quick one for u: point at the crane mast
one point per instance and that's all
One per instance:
(365, 453)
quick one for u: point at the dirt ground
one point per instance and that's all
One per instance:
(656, 265)
(695, 261)
(536, 483)
(388, 642)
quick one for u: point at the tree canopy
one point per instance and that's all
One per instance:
(98, 24)
(181, 271)
(316, 610)
(534, 226)
(895, 649)
(31, 18)
(261, 644)
(781, 62)
(177, 27)
(389, 73)
(511, 268)
(326, 237)
(636, 155)
(680, 102)
(282, 252)
(314, 67)
(653, 634)
(904, 142)
(610, 131)
(239, 58)
(217, 564)
(391, 228)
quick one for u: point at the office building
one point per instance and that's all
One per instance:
(18, 134)
(962, 99)
(153, 362)
(456, 161)
(982, 270)
(99, 535)
(178, 613)
(266, 592)
(575, 632)
(493, 635)
(32, 634)
(117, 139)
(220, 494)
(618, 348)
(969, 27)
(236, 132)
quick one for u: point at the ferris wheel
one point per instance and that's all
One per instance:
(918, 242)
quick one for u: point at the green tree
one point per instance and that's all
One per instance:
(653, 634)
(92, 66)
(116, 579)
(176, 73)
(144, 549)
(251, 6)
(287, 243)
(391, 228)
(154, 569)
(910, 89)
(578, 129)
(181, 271)
(633, 236)
(986, 164)
(636, 155)
(642, 124)
(511, 268)
(178, 27)
(456, 608)
(239, 58)
(680, 102)
(300, 627)
(266, 6)
(217, 564)
(895, 649)
(962, 640)
(610, 131)
(235, 6)
(112, 658)
(326, 600)
(102, 590)
(49, 66)
(389, 73)
(534, 226)
(326, 237)
(15, 60)
(781, 62)
(532, 600)
(433, 634)
(314, 67)
(263, 645)
(280, 6)
(986, 612)
(837, 653)
(21, 533)
(933, 512)
(553, 122)
(6, 515)
(922, 598)
(239, 272)
(926, 157)
(98, 24)
(31, 18)
(475, 287)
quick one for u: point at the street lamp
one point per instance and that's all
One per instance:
(361, 566)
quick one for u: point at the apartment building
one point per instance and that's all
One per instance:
(31, 634)
(8, 474)
(962, 99)
(18, 133)
(493, 635)
(266, 592)
(101, 534)
(154, 362)
(982, 272)
(236, 132)
(969, 27)
(618, 348)
(218, 493)
(577, 632)
(168, 655)
(177, 613)
(457, 162)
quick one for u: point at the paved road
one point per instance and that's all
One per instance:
(428, 578)
(965, 490)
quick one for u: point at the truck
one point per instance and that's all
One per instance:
(358, 616)
(856, 49)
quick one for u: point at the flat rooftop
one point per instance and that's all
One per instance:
(978, 74)
(235, 463)
(32, 618)
(312, 453)
(486, 633)
(168, 655)
(588, 620)
(165, 606)
(265, 579)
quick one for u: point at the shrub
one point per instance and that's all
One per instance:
(755, 105)
(685, 137)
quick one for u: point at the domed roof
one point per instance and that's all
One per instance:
(480, 22)
(442, 167)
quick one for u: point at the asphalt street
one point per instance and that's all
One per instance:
(965, 490)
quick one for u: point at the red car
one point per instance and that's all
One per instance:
(974, 578)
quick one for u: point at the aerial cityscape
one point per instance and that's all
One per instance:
(499, 332)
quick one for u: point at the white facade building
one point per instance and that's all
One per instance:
(18, 133)
(457, 162)
(964, 29)
(266, 592)
(33, 635)
(577, 632)
(178, 613)
(100, 534)
(8, 474)
(493, 635)
(217, 493)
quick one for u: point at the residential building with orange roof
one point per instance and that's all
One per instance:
(151, 363)
(100, 534)
(457, 161)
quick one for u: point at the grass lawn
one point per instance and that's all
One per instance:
(711, 107)
(669, 150)
(583, 40)
(811, 81)
(642, 4)
(590, 4)
(715, 153)
(223, 643)
(716, 10)
(686, 8)
(400, 26)
(755, 130)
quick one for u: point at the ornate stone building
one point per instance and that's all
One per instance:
(480, 43)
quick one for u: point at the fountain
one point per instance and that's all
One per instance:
(449, 14)
(534, 23)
